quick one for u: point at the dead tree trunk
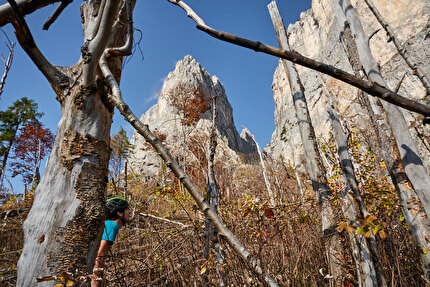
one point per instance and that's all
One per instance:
(395, 142)
(314, 164)
(63, 228)
(400, 48)
(266, 180)
(7, 63)
(353, 207)
(211, 235)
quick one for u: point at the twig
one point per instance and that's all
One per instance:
(372, 88)
(11, 252)
(185, 262)
(10, 213)
(164, 219)
(269, 189)
(57, 12)
(400, 83)
(373, 34)
(8, 278)
(400, 48)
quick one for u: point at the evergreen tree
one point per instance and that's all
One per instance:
(121, 149)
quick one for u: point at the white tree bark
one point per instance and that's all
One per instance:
(7, 63)
(211, 235)
(266, 181)
(314, 165)
(397, 146)
(63, 228)
(353, 205)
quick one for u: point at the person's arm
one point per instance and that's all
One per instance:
(101, 254)
(100, 262)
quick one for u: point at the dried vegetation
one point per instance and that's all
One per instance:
(163, 245)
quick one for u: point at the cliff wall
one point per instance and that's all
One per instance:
(316, 35)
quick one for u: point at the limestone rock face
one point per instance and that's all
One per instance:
(165, 120)
(316, 35)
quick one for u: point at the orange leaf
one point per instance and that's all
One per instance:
(268, 212)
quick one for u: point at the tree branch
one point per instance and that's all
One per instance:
(97, 45)
(143, 130)
(57, 12)
(7, 63)
(128, 46)
(371, 88)
(25, 6)
(164, 219)
(57, 79)
(400, 48)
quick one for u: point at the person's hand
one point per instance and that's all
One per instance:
(97, 277)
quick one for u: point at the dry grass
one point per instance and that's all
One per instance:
(164, 247)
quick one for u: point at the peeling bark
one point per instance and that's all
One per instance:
(64, 226)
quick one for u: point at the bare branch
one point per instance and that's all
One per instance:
(400, 83)
(7, 63)
(97, 45)
(184, 178)
(373, 34)
(269, 188)
(400, 48)
(57, 12)
(164, 219)
(190, 12)
(25, 6)
(128, 46)
(372, 88)
(56, 78)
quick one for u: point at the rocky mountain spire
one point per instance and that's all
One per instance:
(166, 120)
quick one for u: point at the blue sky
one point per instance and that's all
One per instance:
(167, 36)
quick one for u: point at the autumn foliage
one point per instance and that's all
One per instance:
(32, 145)
(191, 101)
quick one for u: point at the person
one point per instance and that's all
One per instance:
(118, 216)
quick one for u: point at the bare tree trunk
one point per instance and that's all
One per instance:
(125, 179)
(314, 164)
(211, 235)
(63, 228)
(7, 63)
(353, 207)
(269, 189)
(396, 144)
(400, 48)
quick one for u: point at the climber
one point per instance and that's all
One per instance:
(119, 215)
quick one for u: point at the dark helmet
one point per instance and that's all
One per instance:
(115, 204)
